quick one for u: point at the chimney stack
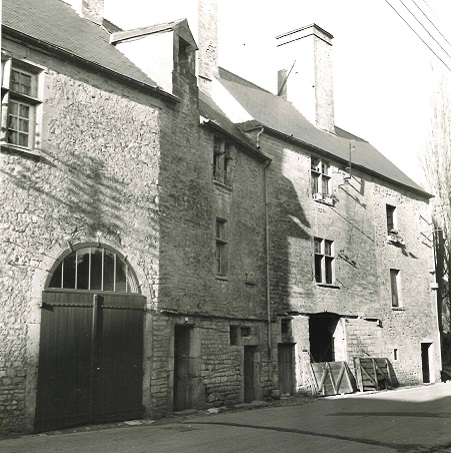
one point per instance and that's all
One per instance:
(208, 42)
(305, 76)
(88, 9)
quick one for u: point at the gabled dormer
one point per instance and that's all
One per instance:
(165, 52)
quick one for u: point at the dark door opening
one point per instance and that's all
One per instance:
(425, 362)
(249, 373)
(285, 362)
(321, 332)
(182, 341)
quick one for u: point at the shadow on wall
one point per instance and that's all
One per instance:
(78, 197)
(288, 226)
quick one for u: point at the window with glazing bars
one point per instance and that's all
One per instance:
(324, 261)
(94, 268)
(19, 103)
(320, 176)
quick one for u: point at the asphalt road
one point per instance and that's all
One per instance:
(416, 420)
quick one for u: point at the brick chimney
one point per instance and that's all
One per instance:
(305, 77)
(89, 9)
(208, 43)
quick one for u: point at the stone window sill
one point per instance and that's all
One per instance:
(327, 285)
(222, 185)
(398, 309)
(28, 153)
(222, 278)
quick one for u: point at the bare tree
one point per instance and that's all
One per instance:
(436, 162)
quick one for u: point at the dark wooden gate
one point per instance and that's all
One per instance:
(90, 359)
(285, 362)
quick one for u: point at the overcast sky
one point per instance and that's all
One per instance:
(383, 77)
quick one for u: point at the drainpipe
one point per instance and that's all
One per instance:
(268, 295)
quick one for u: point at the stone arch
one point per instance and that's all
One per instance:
(39, 281)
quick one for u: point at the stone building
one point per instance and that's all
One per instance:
(174, 236)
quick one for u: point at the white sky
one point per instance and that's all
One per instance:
(383, 78)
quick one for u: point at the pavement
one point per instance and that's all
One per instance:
(407, 420)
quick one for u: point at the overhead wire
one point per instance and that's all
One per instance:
(423, 41)
(430, 21)
(422, 25)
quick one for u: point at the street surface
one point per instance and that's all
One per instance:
(415, 420)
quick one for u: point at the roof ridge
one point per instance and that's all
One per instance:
(242, 80)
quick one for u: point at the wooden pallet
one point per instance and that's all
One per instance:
(332, 378)
(374, 374)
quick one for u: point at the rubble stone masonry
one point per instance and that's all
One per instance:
(97, 179)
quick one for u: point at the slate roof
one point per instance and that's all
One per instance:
(282, 117)
(217, 118)
(54, 23)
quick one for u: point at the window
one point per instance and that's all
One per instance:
(94, 269)
(221, 161)
(391, 219)
(185, 58)
(285, 327)
(234, 335)
(324, 261)
(320, 174)
(245, 332)
(221, 247)
(393, 236)
(19, 103)
(395, 288)
(395, 355)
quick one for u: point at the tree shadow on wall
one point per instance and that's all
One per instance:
(75, 196)
(288, 229)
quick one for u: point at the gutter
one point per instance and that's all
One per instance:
(169, 98)
(247, 146)
(333, 157)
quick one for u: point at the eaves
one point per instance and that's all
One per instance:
(65, 54)
(328, 155)
(253, 151)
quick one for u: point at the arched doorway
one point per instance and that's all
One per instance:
(91, 341)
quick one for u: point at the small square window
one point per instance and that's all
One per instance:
(285, 326)
(246, 332)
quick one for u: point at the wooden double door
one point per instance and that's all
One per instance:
(90, 359)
